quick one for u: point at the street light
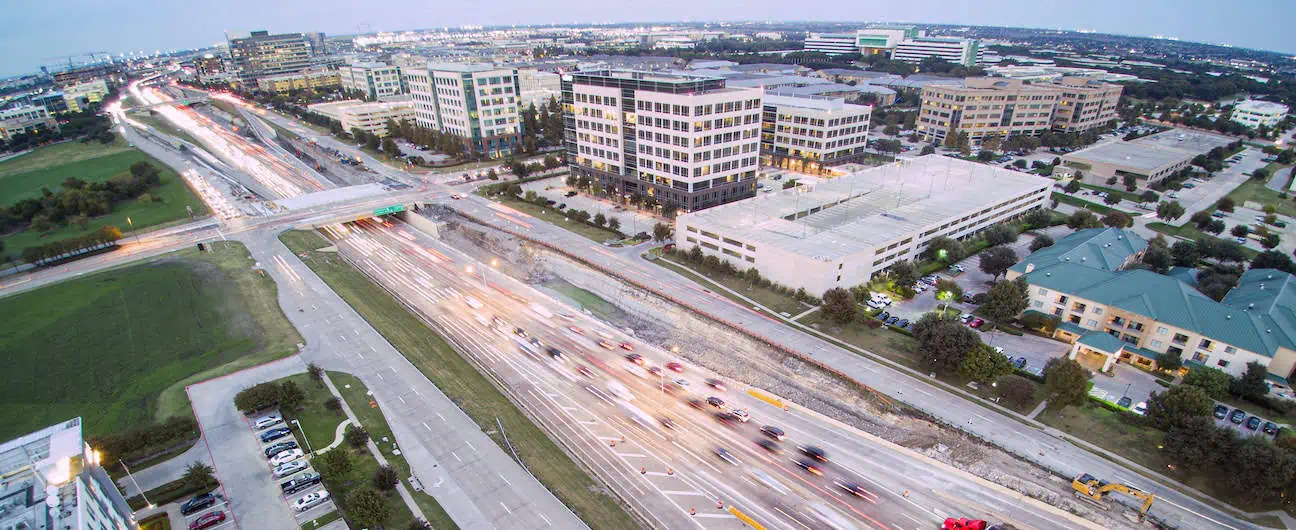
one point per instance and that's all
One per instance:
(304, 438)
(469, 269)
(132, 227)
(137, 486)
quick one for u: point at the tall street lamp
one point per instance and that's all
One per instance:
(137, 486)
(304, 438)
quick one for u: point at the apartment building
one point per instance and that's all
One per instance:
(840, 232)
(1254, 114)
(476, 102)
(1085, 104)
(984, 106)
(1111, 315)
(262, 54)
(808, 134)
(25, 118)
(370, 117)
(966, 52)
(53, 479)
(81, 96)
(371, 80)
(685, 141)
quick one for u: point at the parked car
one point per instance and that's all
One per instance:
(1221, 412)
(1237, 416)
(198, 502)
(274, 434)
(300, 483)
(286, 456)
(268, 421)
(207, 520)
(1020, 363)
(311, 500)
(904, 323)
(1140, 408)
(883, 316)
(1124, 402)
(279, 448)
(1253, 423)
(976, 323)
(289, 469)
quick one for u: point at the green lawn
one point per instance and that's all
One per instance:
(1132, 197)
(586, 299)
(1094, 207)
(1188, 231)
(556, 218)
(356, 396)
(475, 394)
(1255, 191)
(26, 175)
(118, 347)
(774, 300)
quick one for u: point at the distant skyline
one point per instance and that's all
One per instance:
(33, 34)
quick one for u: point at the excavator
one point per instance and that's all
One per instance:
(1088, 487)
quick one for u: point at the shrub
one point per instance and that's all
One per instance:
(356, 436)
(385, 478)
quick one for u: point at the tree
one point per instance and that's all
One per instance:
(1270, 241)
(1020, 163)
(1213, 381)
(903, 273)
(333, 463)
(1241, 231)
(419, 524)
(1252, 383)
(290, 395)
(944, 248)
(257, 397)
(1081, 219)
(838, 306)
(1004, 302)
(1197, 443)
(1169, 361)
(1261, 469)
(1041, 241)
(999, 234)
(1065, 382)
(198, 475)
(316, 373)
(385, 478)
(334, 405)
(366, 507)
(1015, 390)
(946, 285)
(1149, 196)
(1158, 259)
(1118, 219)
(943, 342)
(356, 436)
(1072, 187)
(1111, 198)
(1038, 218)
(1185, 253)
(390, 148)
(1225, 205)
(996, 260)
(661, 231)
(600, 219)
(1177, 405)
(984, 365)
(1169, 211)
(1130, 182)
(371, 142)
(614, 224)
(1273, 259)
(985, 155)
(927, 150)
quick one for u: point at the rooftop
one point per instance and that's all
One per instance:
(463, 67)
(1104, 249)
(1194, 141)
(1146, 157)
(860, 211)
(1266, 107)
(813, 102)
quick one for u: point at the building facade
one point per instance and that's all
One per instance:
(984, 106)
(808, 134)
(262, 54)
(308, 79)
(966, 52)
(831, 43)
(52, 479)
(883, 39)
(1148, 159)
(1255, 114)
(369, 117)
(478, 103)
(26, 118)
(683, 141)
(81, 96)
(1085, 104)
(371, 80)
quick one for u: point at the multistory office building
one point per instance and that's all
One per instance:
(966, 52)
(52, 479)
(809, 133)
(262, 54)
(475, 102)
(372, 80)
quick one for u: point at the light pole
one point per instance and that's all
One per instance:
(304, 438)
(137, 486)
(133, 232)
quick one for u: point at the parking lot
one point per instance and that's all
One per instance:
(1242, 426)
(289, 467)
(209, 516)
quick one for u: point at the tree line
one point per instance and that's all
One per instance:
(86, 125)
(77, 200)
(71, 247)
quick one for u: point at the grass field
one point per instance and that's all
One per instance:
(1255, 191)
(556, 218)
(25, 176)
(118, 347)
(587, 300)
(1188, 231)
(469, 388)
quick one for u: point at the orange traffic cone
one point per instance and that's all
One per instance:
(719, 505)
(643, 471)
(670, 471)
(692, 511)
(612, 443)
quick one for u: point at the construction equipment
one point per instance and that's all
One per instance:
(1088, 487)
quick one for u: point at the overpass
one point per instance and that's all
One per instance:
(188, 100)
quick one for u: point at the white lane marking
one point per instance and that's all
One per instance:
(686, 493)
(425, 426)
(631, 455)
(506, 481)
(416, 392)
(440, 416)
(546, 519)
(470, 445)
(506, 508)
(452, 453)
(402, 400)
(715, 515)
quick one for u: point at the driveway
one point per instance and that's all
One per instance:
(632, 221)
(163, 472)
(1125, 380)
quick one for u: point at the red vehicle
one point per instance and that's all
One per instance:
(675, 367)
(627, 346)
(606, 345)
(976, 323)
(207, 520)
(716, 384)
(635, 358)
(576, 330)
(963, 523)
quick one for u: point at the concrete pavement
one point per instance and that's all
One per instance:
(164, 472)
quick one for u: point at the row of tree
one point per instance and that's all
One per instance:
(86, 125)
(142, 442)
(77, 200)
(71, 247)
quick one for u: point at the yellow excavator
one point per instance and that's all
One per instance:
(1088, 487)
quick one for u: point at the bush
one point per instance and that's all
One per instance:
(356, 436)
(143, 442)
(1015, 390)
(385, 478)
(333, 404)
(262, 396)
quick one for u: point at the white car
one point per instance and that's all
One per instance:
(310, 500)
(473, 302)
(268, 421)
(286, 456)
(289, 468)
(741, 414)
(1140, 408)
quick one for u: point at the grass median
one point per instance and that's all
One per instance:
(468, 388)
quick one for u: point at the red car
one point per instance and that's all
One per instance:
(627, 346)
(207, 520)
(606, 345)
(576, 330)
(675, 367)
(976, 323)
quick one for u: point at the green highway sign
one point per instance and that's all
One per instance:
(390, 209)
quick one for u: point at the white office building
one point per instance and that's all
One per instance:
(808, 133)
(25, 118)
(831, 43)
(966, 52)
(369, 117)
(476, 102)
(840, 232)
(684, 141)
(52, 480)
(1253, 113)
(538, 87)
(371, 80)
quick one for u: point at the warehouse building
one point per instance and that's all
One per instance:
(1149, 159)
(840, 232)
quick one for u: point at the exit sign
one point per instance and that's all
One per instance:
(390, 209)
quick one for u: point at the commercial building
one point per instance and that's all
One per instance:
(109, 72)
(81, 96)
(1111, 314)
(684, 141)
(966, 52)
(1254, 114)
(370, 117)
(313, 79)
(25, 118)
(831, 43)
(52, 480)
(842, 231)
(371, 80)
(1085, 104)
(476, 102)
(1149, 159)
(538, 87)
(808, 134)
(984, 106)
(883, 39)
(262, 54)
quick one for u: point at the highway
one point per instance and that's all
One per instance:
(671, 476)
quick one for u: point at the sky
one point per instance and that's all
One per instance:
(35, 33)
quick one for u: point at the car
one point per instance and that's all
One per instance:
(717, 403)
(1221, 412)
(811, 466)
(675, 367)
(1237, 416)
(456, 196)
(606, 344)
(1241, 240)
(1218, 215)
(716, 384)
(1020, 363)
(1140, 408)
(583, 370)
(853, 488)
(1253, 423)
(904, 323)
(207, 520)
(198, 502)
(576, 330)
(635, 358)
(310, 500)
(681, 382)
(268, 421)
(883, 316)
(727, 419)
(627, 346)
(556, 354)
(697, 403)
(1270, 428)
(773, 432)
(655, 370)
(521, 333)
(769, 445)
(290, 487)
(892, 321)
(967, 298)
(279, 448)
(741, 415)
(274, 434)
(965, 318)
(289, 468)
(286, 456)
(874, 304)
(814, 452)
(976, 323)
(667, 423)
(1124, 402)
(725, 455)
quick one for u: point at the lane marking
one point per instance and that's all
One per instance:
(452, 453)
(682, 493)
(425, 426)
(506, 508)
(402, 400)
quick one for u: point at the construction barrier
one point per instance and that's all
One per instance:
(744, 518)
(767, 398)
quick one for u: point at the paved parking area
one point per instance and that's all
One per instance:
(1242, 429)
(1128, 381)
(288, 499)
(632, 221)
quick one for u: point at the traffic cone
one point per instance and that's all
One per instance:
(906, 494)
(643, 471)
(719, 504)
(670, 471)
(692, 511)
(612, 443)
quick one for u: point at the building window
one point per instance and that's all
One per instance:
(1091, 323)
(1162, 330)
(1038, 304)
(1155, 344)
(1075, 319)
(1222, 363)
(1180, 339)
(1200, 357)
(1043, 291)
(1230, 350)
(1097, 310)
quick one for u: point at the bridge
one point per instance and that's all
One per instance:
(188, 100)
